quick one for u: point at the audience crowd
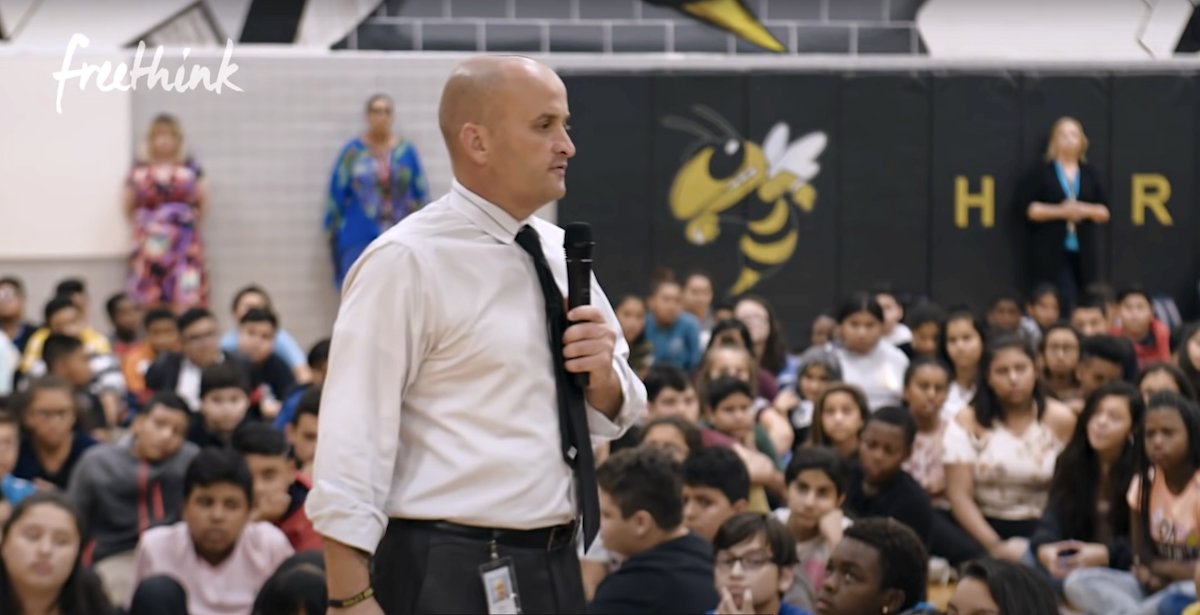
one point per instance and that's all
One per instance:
(1033, 457)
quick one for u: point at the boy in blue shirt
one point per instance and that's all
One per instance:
(674, 335)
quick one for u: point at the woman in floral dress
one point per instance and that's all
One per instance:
(165, 199)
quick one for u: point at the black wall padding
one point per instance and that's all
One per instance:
(883, 202)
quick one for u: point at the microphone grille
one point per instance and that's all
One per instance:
(577, 233)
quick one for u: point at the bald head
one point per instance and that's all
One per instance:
(476, 91)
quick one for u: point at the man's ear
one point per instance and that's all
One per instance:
(740, 506)
(474, 142)
(290, 432)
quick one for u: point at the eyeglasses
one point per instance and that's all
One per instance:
(200, 337)
(47, 415)
(751, 562)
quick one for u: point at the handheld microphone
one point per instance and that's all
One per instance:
(577, 243)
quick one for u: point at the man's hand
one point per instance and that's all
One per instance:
(1011, 550)
(588, 347)
(589, 343)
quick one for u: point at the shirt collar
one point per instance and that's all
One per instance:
(485, 214)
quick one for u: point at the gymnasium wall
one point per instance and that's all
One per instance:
(916, 185)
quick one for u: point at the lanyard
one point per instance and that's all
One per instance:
(1070, 189)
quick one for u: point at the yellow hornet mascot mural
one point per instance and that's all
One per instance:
(771, 182)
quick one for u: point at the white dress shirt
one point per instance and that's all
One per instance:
(440, 399)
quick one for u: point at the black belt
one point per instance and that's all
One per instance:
(547, 538)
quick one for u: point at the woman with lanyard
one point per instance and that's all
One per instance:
(1066, 202)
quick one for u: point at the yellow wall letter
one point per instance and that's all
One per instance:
(1151, 191)
(964, 200)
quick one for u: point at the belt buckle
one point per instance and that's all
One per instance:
(555, 532)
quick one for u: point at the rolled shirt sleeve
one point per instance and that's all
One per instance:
(633, 404)
(376, 350)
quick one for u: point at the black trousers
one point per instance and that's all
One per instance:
(419, 570)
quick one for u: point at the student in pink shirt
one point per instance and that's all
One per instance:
(215, 561)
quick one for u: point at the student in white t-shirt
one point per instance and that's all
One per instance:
(867, 361)
(965, 336)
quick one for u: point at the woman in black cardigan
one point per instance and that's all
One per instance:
(1065, 204)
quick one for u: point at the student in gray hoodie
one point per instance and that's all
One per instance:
(125, 488)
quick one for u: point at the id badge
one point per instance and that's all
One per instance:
(500, 586)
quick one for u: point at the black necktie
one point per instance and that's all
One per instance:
(572, 418)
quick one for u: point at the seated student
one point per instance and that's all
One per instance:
(285, 344)
(1000, 451)
(1001, 588)
(180, 372)
(1088, 317)
(214, 561)
(878, 485)
(771, 428)
(51, 446)
(817, 479)
(125, 488)
(40, 568)
(729, 409)
(674, 334)
(224, 405)
(1004, 315)
(1150, 337)
(670, 393)
(270, 379)
(631, 314)
(302, 432)
(895, 332)
(1159, 377)
(679, 439)
(841, 413)
(162, 337)
(12, 489)
(926, 386)
(12, 312)
(124, 316)
(816, 368)
(668, 569)
(716, 486)
(65, 359)
(10, 361)
(754, 564)
(963, 345)
(279, 490)
(1042, 310)
(1087, 518)
(318, 363)
(872, 365)
(296, 588)
(1059, 354)
(734, 332)
(926, 321)
(66, 315)
(1165, 528)
(878, 567)
(1102, 359)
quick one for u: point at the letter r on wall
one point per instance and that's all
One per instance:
(1150, 191)
(965, 200)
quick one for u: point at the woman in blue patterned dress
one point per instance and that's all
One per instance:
(377, 181)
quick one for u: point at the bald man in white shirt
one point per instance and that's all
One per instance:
(440, 447)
